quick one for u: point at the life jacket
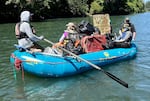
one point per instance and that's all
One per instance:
(72, 43)
(93, 43)
(70, 36)
(19, 34)
(126, 27)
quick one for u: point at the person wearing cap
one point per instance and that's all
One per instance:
(125, 37)
(25, 33)
(130, 27)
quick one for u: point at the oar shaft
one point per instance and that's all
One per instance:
(98, 68)
(95, 66)
(49, 41)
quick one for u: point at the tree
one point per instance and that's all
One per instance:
(67, 8)
(135, 6)
(96, 6)
(123, 6)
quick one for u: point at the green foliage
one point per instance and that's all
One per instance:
(135, 6)
(78, 7)
(96, 7)
(67, 8)
(115, 6)
(123, 6)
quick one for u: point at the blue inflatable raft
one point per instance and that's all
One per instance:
(47, 65)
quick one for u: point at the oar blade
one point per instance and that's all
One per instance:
(116, 79)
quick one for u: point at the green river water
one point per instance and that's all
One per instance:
(89, 86)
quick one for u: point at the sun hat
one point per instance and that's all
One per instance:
(70, 24)
(71, 28)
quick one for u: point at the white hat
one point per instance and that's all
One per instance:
(70, 24)
(127, 19)
(71, 28)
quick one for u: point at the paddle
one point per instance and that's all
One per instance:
(93, 65)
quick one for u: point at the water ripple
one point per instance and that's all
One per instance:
(91, 86)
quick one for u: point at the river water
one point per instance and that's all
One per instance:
(89, 86)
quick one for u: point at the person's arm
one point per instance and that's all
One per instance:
(30, 34)
(120, 32)
(62, 38)
(133, 32)
(134, 35)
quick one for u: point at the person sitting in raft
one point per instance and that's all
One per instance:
(70, 39)
(124, 39)
(25, 34)
(130, 27)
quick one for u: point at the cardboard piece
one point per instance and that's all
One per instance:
(102, 21)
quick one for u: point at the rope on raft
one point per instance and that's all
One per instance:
(18, 62)
(18, 65)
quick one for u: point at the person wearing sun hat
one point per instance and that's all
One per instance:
(69, 33)
(71, 28)
(70, 39)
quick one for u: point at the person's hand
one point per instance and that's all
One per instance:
(133, 40)
(41, 37)
(56, 45)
